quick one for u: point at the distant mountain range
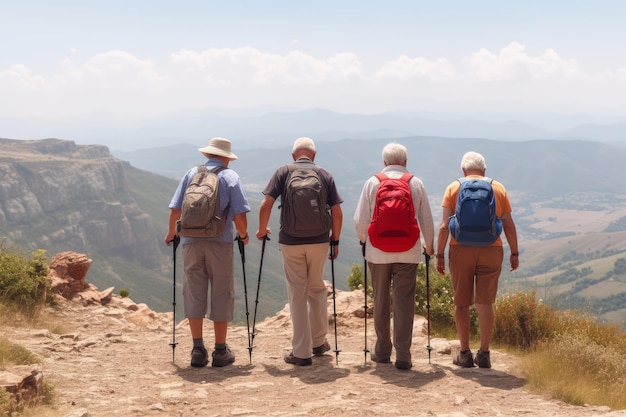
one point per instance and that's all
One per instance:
(569, 202)
(270, 129)
(555, 185)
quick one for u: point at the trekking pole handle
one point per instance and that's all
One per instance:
(175, 241)
(427, 256)
(362, 248)
(240, 244)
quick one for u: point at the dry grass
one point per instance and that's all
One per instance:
(39, 318)
(583, 364)
(40, 407)
(12, 354)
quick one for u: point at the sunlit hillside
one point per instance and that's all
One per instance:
(573, 250)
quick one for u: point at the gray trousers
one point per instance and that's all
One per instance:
(397, 280)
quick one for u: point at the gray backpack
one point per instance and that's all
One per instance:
(304, 203)
(201, 215)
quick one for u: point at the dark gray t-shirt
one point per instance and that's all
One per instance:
(276, 187)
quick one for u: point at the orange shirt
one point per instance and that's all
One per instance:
(503, 205)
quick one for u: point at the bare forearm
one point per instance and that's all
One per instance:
(337, 216)
(265, 209)
(241, 224)
(510, 232)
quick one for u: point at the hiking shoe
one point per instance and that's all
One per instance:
(482, 359)
(464, 359)
(223, 357)
(321, 349)
(382, 359)
(199, 357)
(298, 361)
(403, 365)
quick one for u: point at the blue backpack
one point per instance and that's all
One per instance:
(475, 222)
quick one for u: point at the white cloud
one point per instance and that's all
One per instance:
(514, 64)
(621, 74)
(223, 66)
(405, 68)
(118, 69)
(119, 82)
(20, 77)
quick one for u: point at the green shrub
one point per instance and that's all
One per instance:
(522, 322)
(441, 302)
(441, 299)
(356, 278)
(23, 280)
(124, 293)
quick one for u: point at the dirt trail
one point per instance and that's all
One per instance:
(119, 362)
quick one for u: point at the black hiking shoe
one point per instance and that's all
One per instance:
(321, 349)
(464, 359)
(482, 359)
(199, 357)
(403, 365)
(223, 357)
(298, 361)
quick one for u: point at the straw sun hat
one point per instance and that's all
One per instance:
(218, 146)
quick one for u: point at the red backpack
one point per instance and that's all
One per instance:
(394, 227)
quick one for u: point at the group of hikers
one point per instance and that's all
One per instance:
(393, 222)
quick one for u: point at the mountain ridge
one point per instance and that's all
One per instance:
(580, 177)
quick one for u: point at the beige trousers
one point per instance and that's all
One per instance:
(304, 273)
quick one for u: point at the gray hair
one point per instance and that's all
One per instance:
(474, 161)
(304, 144)
(394, 154)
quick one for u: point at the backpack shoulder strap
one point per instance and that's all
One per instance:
(381, 177)
(217, 169)
(407, 176)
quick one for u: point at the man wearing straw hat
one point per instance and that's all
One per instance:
(210, 260)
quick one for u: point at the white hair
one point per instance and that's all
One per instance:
(394, 154)
(474, 161)
(304, 143)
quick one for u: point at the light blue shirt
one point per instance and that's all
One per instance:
(232, 195)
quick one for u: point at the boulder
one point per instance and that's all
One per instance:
(67, 273)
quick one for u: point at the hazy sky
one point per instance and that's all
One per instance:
(130, 59)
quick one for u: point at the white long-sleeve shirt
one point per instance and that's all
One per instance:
(365, 208)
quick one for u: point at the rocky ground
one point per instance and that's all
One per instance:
(116, 359)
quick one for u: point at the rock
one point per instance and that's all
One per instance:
(67, 273)
(23, 383)
(106, 295)
(81, 412)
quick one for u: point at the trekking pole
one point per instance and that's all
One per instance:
(427, 257)
(365, 349)
(332, 269)
(175, 243)
(245, 290)
(256, 300)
